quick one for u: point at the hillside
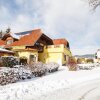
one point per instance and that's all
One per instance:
(85, 56)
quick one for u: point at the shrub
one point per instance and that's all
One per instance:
(23, 71)
(51, 67)
(12, 75)
(8, 76)
(9, 61)
(38, 69)
(1, 63)
(72, 64)
(90, 61)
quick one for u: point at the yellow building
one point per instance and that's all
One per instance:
(58, 52)
(33, 46)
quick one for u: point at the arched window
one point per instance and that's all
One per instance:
(9, 41)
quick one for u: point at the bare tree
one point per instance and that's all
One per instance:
(94, 3)
(1, 34)
(8, 30)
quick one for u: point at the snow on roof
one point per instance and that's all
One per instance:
(15, 36)
(4, 50)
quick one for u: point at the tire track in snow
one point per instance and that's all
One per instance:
(85, 94)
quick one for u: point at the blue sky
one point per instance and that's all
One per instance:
(70, 19)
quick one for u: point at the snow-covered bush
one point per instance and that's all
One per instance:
(12, 75)
(23, 71)
(7, 75)
(38, 69)
(9, 61)
(51, 67)
(86, 66)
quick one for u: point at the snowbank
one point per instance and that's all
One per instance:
(41, 88)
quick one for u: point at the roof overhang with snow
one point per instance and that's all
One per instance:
(5, 51)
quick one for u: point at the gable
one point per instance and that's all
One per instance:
(61, 41)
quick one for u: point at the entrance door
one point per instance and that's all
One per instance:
(32, 59)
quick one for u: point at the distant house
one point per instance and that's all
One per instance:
(97, 55)
(36, 46)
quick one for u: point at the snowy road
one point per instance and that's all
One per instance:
(89, 90)
(86, 91)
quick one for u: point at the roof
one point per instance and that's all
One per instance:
(20, 34)
(60, 41)
(7, 35)
(2, 42)
(15, 35)
(28, 40)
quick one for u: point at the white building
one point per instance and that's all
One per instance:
(98, 54)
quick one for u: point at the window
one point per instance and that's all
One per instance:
(9, 41)
(33, 58)
(49, 46)
(64, 57)
(56, 46)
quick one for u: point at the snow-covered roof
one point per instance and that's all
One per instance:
(4, 50)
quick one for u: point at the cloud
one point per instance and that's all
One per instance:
(70, 19)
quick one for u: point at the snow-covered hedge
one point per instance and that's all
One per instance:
(86, 66)
(12, 75)
(7, 75)
(38, 69)
(23, 71)
(51, 67)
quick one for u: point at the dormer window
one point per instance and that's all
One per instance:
(9, 41)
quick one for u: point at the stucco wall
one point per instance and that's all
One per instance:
(54, 53)
(27, 54)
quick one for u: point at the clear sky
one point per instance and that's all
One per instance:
(70, 19)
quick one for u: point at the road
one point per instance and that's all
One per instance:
(86, 91)
(89, 90)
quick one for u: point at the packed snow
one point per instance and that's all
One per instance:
(51, 85)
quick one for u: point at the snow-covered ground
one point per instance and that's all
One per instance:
(56, 86)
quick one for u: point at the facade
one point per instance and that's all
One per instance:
(35, 46)
(58, 53)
